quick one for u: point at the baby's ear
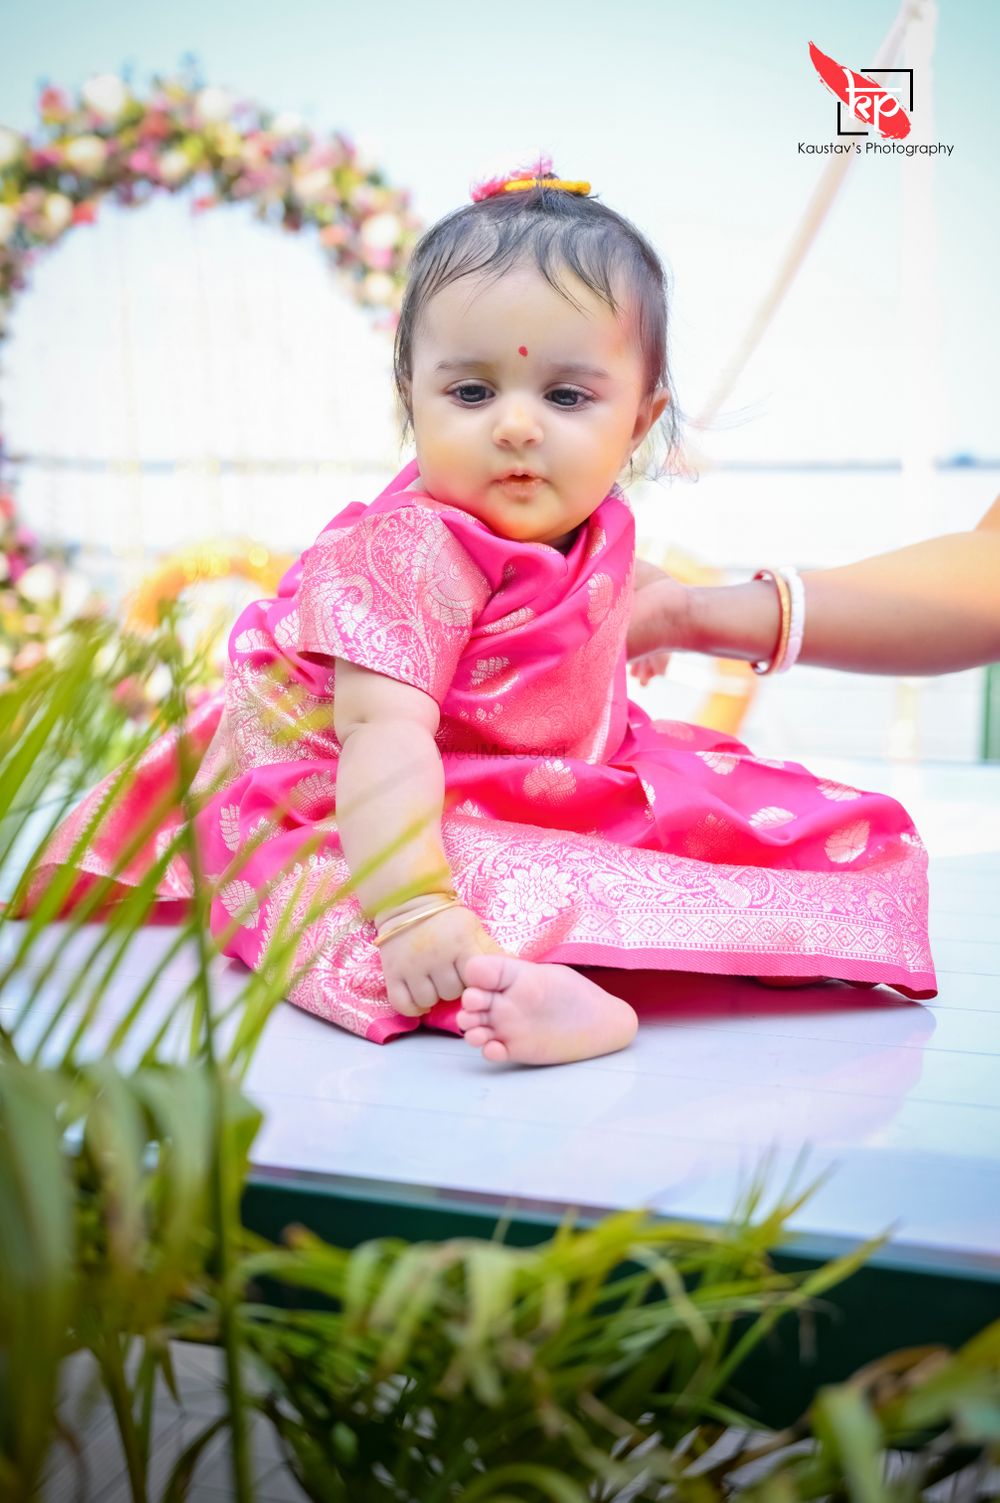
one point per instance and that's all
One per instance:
(650, 412)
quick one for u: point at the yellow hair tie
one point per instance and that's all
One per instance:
(519, 184)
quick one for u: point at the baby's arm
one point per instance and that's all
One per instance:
(390, 776)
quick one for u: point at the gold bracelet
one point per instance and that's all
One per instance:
(785, 606)
(414, 918)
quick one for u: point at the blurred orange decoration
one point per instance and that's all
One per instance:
(179, 571)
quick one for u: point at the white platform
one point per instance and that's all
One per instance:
(902, 1098)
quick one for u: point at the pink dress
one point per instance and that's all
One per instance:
(579, 830)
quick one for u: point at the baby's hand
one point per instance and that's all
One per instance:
(647, 668)
(423, 963)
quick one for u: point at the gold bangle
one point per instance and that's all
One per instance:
(785, 606)
(414, 918)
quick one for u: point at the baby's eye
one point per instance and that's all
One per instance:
(468, 386)
(570, 391)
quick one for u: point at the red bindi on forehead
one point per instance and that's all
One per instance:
(522, 349)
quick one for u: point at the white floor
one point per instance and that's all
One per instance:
(901, 1099)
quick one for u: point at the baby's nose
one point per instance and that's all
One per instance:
(516, 422)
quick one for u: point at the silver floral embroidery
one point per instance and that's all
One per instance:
(552, 781)
(229, 826)
(253, 640)
(538, 889)
(839, 792)
(598, 540)
(486, 668)
(847, 843)
(239, 899)
(286, 629)
(313, 796)
(771, 817)
(677, 730)
(721, 762)
(510, 622)
(600, 594)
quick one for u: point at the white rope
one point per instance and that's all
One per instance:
(816, 211)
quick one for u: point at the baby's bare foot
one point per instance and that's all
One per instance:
(534, 1014)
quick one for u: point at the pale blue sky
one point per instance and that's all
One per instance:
(685, 116)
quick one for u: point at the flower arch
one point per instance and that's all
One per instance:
(183, 135)
(112, 141)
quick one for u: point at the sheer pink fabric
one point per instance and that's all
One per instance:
(577, 828)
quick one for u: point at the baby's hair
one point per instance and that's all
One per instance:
(555, 229)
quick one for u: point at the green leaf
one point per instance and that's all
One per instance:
(37, 1262)
(846, 1427)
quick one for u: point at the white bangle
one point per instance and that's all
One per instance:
(797, 625)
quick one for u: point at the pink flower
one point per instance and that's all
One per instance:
(53, 104)
(30, 655)
(85, 214)
(144, 163)
(43, 157)
(488, 187)
(156, 126)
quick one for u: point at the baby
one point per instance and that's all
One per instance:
(525, 409)
(457, 652)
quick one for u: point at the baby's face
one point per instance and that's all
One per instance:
(497, 388)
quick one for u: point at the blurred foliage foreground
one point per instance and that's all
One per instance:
(602, 1364)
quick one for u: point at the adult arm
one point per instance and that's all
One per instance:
(932, 607)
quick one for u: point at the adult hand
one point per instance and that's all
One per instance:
(660, 620)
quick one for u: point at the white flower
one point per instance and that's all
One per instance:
(381, 231)
(57, 212)
(159, 683)
(106, 658)
(106, 95)
(59, 647)
(377, 287)
(39, 584)
(174, 167)
(76, 591)
(212, 106)
(11, 146)
(87, 154)
(310, 186)
(287, 123)
(8, 223)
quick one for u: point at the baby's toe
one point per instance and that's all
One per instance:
(476, 1000)
(480, 1036)
(496, 1051)
(485, 971)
